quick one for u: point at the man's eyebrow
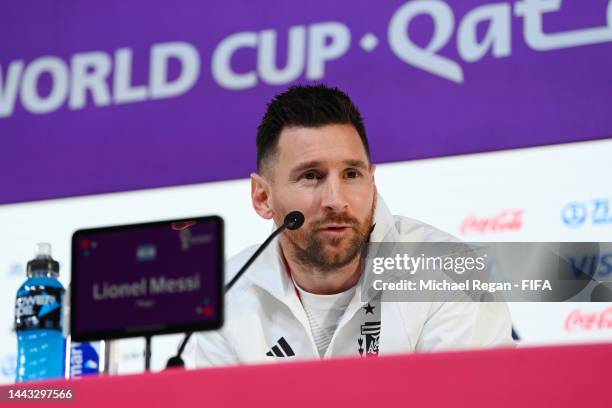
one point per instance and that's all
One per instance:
(357, 163)
(316, 163)
(306, 165)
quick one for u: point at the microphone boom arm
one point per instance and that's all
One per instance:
(293, 221)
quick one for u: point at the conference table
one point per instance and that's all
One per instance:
(557, 376)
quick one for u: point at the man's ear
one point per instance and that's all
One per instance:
(260, 196)
(372, 170)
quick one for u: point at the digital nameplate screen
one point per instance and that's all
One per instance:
(145, 279)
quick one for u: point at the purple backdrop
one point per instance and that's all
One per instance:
(524, 90)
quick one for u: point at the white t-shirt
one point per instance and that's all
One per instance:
(324, 313)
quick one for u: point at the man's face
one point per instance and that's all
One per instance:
(324, 173)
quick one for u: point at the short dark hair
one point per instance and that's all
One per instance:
(306, 106)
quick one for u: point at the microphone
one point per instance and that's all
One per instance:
(292, 221)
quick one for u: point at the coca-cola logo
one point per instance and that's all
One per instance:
(588, 321)
(506, 220)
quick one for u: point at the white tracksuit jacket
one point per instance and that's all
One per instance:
(265, 321)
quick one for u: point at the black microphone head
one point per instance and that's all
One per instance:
(294, 220)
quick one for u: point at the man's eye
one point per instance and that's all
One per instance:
(311, 175)
(352, 174)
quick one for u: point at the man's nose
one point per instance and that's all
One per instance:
(334, 197)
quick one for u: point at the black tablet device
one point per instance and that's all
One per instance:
(147, 279)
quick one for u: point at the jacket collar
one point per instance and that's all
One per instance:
(269, 271)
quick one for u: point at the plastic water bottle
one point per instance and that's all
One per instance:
(41, 344)
(84, 358)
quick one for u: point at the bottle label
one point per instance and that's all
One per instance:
(40, 308)
(84, 359)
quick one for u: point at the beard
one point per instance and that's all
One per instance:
(327, 254)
